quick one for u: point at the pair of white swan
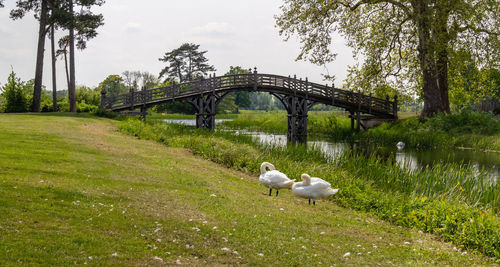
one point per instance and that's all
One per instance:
(310, 188)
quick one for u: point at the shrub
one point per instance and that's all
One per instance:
(15, 99)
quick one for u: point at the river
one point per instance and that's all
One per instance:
(412, 159)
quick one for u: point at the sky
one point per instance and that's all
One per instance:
(137, 33)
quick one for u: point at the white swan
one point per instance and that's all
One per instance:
(400, 145)
(273, 179)
(313, 188)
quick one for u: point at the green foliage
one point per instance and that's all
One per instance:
(88, 95)
(451, 202)
(174, 107)
(401, 44)
(185, 63)
(228, 105)
(113, 85)
(14, 94)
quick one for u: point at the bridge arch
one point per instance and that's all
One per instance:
(297, 95)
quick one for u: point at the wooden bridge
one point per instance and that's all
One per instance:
(297, 96)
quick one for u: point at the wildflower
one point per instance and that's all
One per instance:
(460, 188)
(482, 213)
(347, 254)
(157, 258)
(261, 254)
(226, 249)
(114, 254)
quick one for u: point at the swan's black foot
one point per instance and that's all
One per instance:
(314, 202)
(277, 191)
(309, 201)
(270, 189)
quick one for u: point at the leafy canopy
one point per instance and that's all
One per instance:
(185, 63)
(394, 40)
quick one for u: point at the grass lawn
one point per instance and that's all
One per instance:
(73, 190)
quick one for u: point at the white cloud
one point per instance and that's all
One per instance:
(214, 29)
(133, 27)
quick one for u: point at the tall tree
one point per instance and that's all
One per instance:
(403, 42)
(185, 63)
(54, 59)
(40, 9)
(82, 26)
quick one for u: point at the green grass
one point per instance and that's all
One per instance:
(73, 190)
(464, 213)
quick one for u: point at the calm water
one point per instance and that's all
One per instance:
(414, 160)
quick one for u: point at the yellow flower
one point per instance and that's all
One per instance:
(424, 198)
(458, 183)
(461, 188)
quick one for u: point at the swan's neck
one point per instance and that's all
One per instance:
(264, 166)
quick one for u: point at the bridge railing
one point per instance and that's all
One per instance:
(290, 85)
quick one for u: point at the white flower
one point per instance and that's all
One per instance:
(407, 243)
(282, 209)
(157, 258)
(114, 254)
(215, 227)
(178, 262)
(196, 229)
(226, 249)
(322, 233)
(304, 247)
(213, 195)
(347, 254)
(260, 254)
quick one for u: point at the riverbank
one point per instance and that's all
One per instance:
(452, 202)
(75, 191)
(465, 129)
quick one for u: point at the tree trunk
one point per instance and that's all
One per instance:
(72, 87)
(442, 39)
(37, 90)
(54, 81)
(433, 102)
(66, 66)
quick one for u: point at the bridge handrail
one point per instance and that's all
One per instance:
(251, 81)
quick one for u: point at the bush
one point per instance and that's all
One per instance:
(13, 93)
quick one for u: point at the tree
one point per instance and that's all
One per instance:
(113, 85)
(404, 43)
(15, 99)
(185, 63)
(242, 98)
(40, 9)
(85, 23)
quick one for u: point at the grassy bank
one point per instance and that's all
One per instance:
(430, 201)
(73, 190)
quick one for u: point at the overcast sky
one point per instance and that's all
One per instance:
(136, 33)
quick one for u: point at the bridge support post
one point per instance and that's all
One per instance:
(204, 105)
(297, 108)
